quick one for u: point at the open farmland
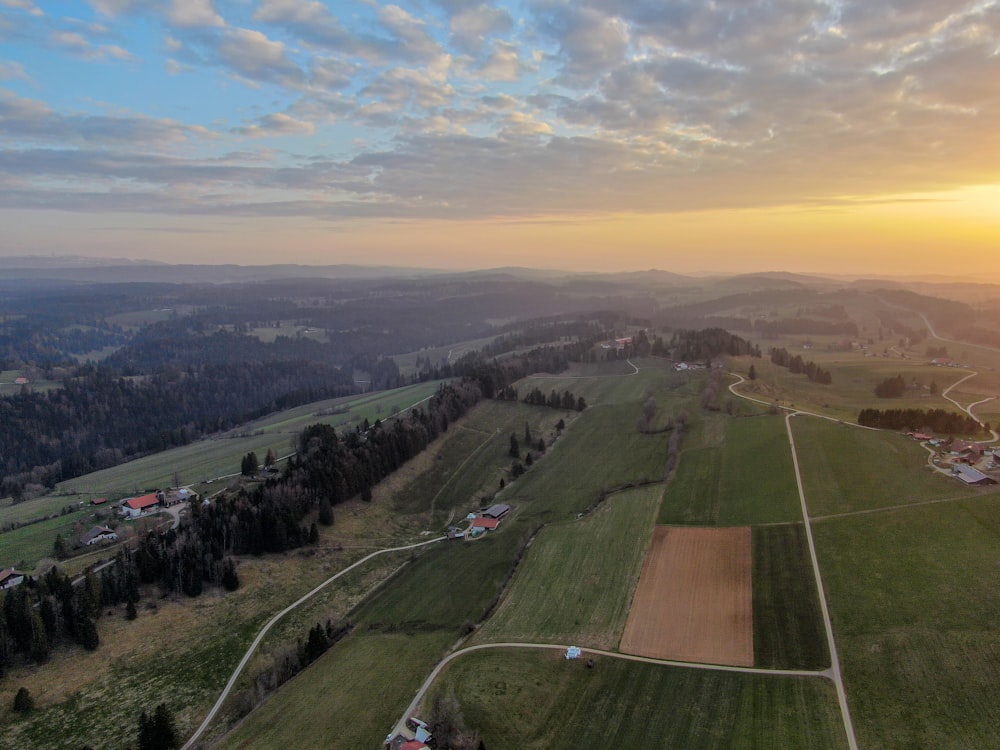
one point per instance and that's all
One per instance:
(532, 700)
(474, 456)
(914, 594)
(787, 621)
(846, 469)
(693, 602)
(745, 477)
(575, 583)
(400, 634)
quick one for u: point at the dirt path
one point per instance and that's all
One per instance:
(270, 623)
(418, 698)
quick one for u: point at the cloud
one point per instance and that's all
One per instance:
(255, 57)
(23, 5)
(25, 120)
(277, 124)
(10, 71)
(193, 14)
(78, 45)
(471, 25)
(503, 64)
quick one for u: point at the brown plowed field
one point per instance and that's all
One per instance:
(694, 600)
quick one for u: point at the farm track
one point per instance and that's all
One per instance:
(834, 671)
(415, 703)
(270, 623)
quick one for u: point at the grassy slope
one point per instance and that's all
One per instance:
(474, 457)
(540, 701)
(401, 633)
(575, 583)
(915, 597)
(744, 477)
(846, 469)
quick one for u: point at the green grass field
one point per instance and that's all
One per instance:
(788, 630)
(915, 596)
(744, 475)
(474, 457)
(846, 469)
(25, 546)
(400, 634)
(534, 700)
(576, 581)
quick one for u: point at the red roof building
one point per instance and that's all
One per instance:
(98, 501)
(485, 523)
(136, 506)
(413, 745)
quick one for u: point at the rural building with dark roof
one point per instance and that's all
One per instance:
(497, 511)
(971, 476)
(98, 535)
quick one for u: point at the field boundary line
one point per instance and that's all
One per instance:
(270, 623)
(422, 691)
(831, 641)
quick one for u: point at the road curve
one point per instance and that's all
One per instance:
(270, 623)
(415, 703)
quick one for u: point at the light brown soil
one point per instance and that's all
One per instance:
(694, 600)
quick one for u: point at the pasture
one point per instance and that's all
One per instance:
(788, 630)
(847, 469)
(576, 580)
(914, 595)
(474, 456)
(535, 700)
(743, 475)
(401, 632)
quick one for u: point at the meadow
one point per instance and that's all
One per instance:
(847, 469)
(914, 597)
(400, 633)
(787, 620)
(576, 581)
(535, 700)
(735, 471)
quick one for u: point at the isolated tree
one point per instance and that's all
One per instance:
(649, 410)
(23, 702)
(515, 449)
(269, 458)
(230, 578)
(325, 511)
(560, 426)
(249, 464)
(541, 445)
(157, 732)
(934, 388)
(752, 373)
(130, 610)
(527, 434)
(59, 547)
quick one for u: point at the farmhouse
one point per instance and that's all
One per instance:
(10, 578)
(497, 511)
(971, 476)
(98, 501)
(136, 506)
(98, 535)
(485, 523)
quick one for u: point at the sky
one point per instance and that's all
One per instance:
(598, 135)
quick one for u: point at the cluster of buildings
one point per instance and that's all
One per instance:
(964, 456)
(480, 523)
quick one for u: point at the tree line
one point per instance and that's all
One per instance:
(936, 420)
(99, 418)
(797, 365)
